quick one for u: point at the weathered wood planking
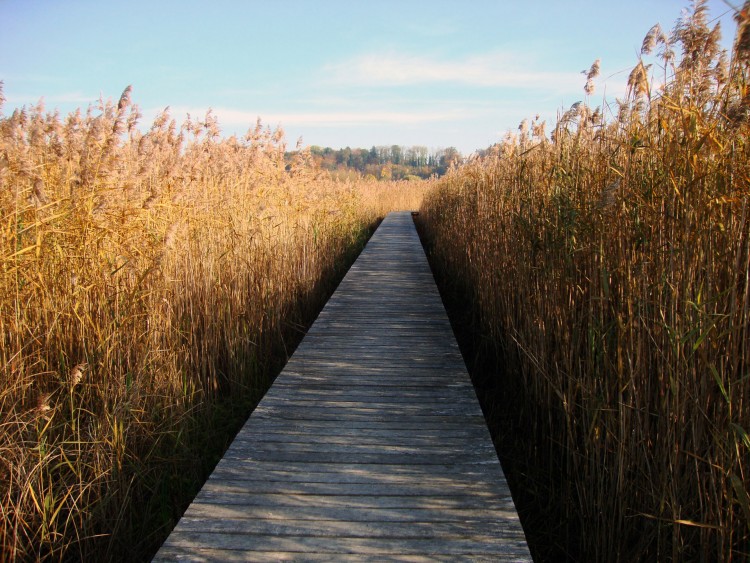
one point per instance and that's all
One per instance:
(370, 445)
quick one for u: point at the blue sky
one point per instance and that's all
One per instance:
(336, 73)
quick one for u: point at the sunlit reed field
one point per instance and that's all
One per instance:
(153, 280)
(150, 285)
(610, 269)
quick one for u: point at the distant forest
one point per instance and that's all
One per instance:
(393, 162)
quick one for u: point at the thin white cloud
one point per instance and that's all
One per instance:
(489, 70)
(229, 118)
(65, 98)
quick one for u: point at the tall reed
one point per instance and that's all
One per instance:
(149, 283)
(610, 265)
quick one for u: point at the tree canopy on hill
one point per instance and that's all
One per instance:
(393, 162)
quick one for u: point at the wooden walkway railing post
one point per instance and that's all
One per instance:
(370, 445)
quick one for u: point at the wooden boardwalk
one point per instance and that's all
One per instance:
(370, 445)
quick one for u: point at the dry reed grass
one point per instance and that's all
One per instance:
(148, 285)
(382, 197)
(610, 265)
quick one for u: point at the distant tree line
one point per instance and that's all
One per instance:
(393, 162)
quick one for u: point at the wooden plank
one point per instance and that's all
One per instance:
(305, 450)
(203, 554)
(369, 445)
(383, 432)
(317, 456)
(302, 425)
(308, 472)
(372, 506)
(337, 528)
(403, 489)
(505, 546)
(293, 396)
(266, 509)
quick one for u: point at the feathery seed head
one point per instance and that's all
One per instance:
(638, 80)
(42, 404)
(171, 235)
(537, 130)
(77, 373)
(135, 115)
(590, 75)
(655, 35)
(524, 128)
(594, 70)
(124, 98)
(40, 198)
